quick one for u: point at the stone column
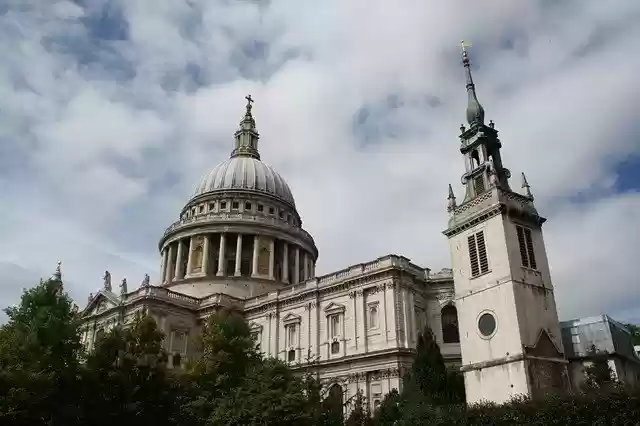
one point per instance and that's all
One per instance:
(169, 266)
(296, 264)
(285, 262)
(254, 264)
(163, 264)
(272, 257)
(303, 261)
(221, 260)
(178, 274)
(238, 255)
(189, 258)
(206, 246)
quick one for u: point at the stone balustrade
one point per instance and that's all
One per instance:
(239, 217)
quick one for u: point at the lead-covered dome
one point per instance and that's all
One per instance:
(242, 172)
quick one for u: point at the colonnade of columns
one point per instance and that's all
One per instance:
(233, 254)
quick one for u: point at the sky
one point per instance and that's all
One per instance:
(110, 111)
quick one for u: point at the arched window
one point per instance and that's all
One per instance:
(449, 317)
(475, 159)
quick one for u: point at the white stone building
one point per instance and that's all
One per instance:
(239, 243)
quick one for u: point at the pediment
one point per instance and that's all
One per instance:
(291, 318)
(334, 308)
(255, 327)
(101, 302)
(544, 347)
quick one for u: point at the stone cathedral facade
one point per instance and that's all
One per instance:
(239, 243)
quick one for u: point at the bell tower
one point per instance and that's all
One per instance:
(509, 330)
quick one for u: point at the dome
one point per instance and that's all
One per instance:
(245, 173)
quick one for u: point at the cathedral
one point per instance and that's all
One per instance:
(239, 243)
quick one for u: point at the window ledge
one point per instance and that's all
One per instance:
(480, 275)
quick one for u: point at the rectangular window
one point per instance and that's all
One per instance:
(334, 326)
(260, 207)
(525, 242)
(247, 206)
(291, 335)
(235, 205)
(223, 205)
(373, 316)
(478, 254)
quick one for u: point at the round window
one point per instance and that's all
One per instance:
(487, 324)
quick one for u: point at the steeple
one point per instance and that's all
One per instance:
(247, 135)
(475, 112)
(480, 145)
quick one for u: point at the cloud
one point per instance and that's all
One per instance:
(111, 111)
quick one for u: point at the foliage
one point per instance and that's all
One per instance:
(360, 415)
(599, 373)
(427, 388)
(44, 381)
(634, 329)
(42, 334)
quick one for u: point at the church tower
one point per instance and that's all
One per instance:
(509, 330)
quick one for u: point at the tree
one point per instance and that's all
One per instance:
(126, 379)
(429, 375)
(360, 414)
(42, 334)
(40, 354)
(599, 374)
(635, 333)
(236, 386)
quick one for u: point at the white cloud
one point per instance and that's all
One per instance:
(358, 105)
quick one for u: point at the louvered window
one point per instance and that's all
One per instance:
(478, 254)
(478, 184)
(525, 242)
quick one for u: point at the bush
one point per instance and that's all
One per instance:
(612, 408)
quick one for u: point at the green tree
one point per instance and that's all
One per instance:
(42, 334)
(40, 354)
(635, 333)
(126, 379)
(237, 387)
(598, 374)
(360, 414)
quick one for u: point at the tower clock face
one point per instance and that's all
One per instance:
(487, 324)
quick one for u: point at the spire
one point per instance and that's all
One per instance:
(526, 187)
(247, 135)
(57, 275)
(475, 112)
(452, 200)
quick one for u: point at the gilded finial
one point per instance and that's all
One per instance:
(526, 187)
